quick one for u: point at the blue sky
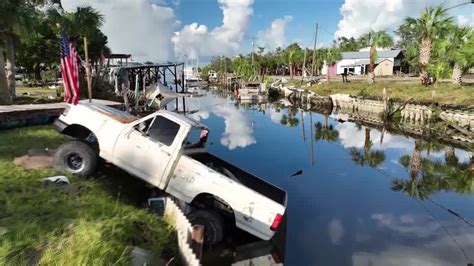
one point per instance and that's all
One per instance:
(162, 30)
(305, 14)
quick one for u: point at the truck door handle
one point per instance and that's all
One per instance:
(167, 153)
(138, 146)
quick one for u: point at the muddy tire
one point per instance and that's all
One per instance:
(76, 157)
(212, 222)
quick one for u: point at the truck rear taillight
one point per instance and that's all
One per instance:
(276, 222)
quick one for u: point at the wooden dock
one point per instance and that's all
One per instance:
(35, 114)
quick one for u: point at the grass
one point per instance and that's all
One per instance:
(444, 93)
(92, 221)
(27, 95)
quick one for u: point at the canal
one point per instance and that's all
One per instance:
(365, 196)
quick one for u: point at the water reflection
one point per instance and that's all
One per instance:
(375, 194)
(238, 128)
(430, 176)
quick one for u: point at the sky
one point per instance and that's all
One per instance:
(176, 30)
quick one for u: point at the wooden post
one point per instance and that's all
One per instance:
(197, 236)
(88, 71)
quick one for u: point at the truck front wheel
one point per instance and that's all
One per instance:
(212, 222)
(76, 157)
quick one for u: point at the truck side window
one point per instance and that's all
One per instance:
(163, 130)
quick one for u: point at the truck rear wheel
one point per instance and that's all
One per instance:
(212, 222)
(76, 157)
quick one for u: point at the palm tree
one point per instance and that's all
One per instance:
(13, 15)
(459, 50)
(432, 23)
(374, 40)
(331, 57)
(244, 67)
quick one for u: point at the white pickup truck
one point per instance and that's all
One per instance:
(157, 148)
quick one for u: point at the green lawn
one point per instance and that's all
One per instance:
(90, 222)
(27, 95)
(444, 93)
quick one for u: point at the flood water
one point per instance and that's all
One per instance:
(365, 197)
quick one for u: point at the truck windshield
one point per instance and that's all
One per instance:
(163, 130)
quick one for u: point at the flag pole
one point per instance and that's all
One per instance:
(88, 73)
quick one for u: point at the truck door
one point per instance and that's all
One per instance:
(149, 149)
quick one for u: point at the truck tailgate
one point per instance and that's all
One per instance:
(245, 178)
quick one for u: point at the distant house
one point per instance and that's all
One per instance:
(388, 63)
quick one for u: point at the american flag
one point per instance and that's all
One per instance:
(69, 70)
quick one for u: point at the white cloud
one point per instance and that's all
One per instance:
(196, 40)
(140, 27)
(359, 16)
(274, 36)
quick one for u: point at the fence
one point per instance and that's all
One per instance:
(184, 232)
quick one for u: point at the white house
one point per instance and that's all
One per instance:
(388, 63)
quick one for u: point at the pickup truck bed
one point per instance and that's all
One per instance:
(243, 177)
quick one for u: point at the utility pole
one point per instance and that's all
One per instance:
(253, 48)
(314, 49)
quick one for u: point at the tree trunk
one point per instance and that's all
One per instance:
(328, 78)
(291, 70)
(425, 54)
(457, 73)
(5, 97)
(371, 74)
(10, 65)
(326, 120)
(415, 159)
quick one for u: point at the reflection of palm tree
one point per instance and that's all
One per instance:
(284, 120)
(436, 176)
(369, 157)
(449, 155)
(415, 159)
(326, 132)
(427, 177)
(292, 119)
